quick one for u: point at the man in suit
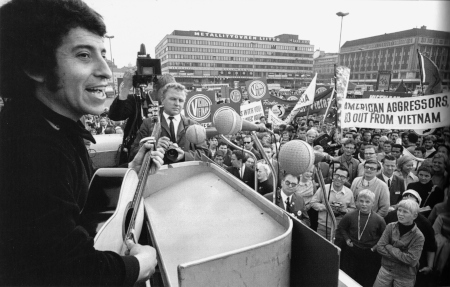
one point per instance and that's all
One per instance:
(105, 128)
(240, 170)
(248, 145)
(170, 131)
(287, 200)
(394, 183)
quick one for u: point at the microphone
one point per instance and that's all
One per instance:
(322, 157)
(297, 156)
(228, 122)
(196, 134)
(142, 51)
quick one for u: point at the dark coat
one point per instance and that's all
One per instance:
(395, 190)
(248, 178)
(297, 207)
(44, 178)
(191, 151)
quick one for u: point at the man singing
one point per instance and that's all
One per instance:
(53, 71)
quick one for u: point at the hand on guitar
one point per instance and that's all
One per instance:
(156, 155)
(146, 255)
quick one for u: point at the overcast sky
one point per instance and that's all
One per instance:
(133, 22)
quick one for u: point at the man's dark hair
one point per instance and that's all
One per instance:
(373, 161)
(388, 142)
(413, 138)
(262, 117)
(221, 143)
(268, 125)
(426, 168)
(31, 32)
(389, 157)
(422, 149)
(343, 168)
(239, 155)
(350, 141)
(398, 146)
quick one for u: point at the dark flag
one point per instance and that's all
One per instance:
(429, 75)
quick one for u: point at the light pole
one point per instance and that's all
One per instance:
(295, 61)
(253, 46)
(214, 65)
(342, 15)
(112, 61)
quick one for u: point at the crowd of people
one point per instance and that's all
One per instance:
(388, 190)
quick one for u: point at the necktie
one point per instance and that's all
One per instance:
(389, 183)
(172, 131)
(288, 204)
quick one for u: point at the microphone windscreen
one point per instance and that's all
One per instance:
(196, 134)
(227, 122)
(296, 156)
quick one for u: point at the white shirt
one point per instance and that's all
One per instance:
(284, 197)
(176, 121)
(242, 170)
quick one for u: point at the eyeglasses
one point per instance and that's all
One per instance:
(370, 168)
(291, 184)
(337, 176)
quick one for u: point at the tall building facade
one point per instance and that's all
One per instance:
(396, 52)
(199, 58)
(324, 67)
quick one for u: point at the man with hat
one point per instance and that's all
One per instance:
(429, 248)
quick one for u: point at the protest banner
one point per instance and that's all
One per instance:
(397, 113)
(342, 79)
(274, 119)
(252, 112)
(198, 105)
(383, 95)
(257, 89)
(306, 99)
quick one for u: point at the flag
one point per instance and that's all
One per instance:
(401, 88)
(306, 99)
(429, 74)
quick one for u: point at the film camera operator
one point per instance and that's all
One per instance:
(129, 106)
(171, 129)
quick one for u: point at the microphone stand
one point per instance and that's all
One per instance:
(319, 175)
(246, 151)
(266, 158)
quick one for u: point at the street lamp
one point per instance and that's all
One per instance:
(253, 46)
(214, 65)
(342, 15)
(112, 61)
(295, 61)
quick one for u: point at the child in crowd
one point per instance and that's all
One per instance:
(400, 247)
(361, 229)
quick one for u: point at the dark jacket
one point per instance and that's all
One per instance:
(44, 177)
(430, 197)
(297, 208)
(192, 152)
(395, 190)
(248, 178)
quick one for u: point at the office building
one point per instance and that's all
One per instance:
(396, 52)
(198, 58)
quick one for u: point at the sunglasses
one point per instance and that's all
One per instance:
(370, 168)
(247, 142)
(291, 184)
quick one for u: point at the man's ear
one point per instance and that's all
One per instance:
(35, 76)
